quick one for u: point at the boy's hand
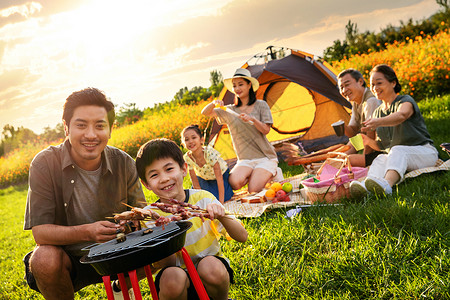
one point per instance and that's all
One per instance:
(215, 210)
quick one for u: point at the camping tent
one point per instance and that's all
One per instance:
(304, 100)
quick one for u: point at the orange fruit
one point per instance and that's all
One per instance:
(276, 186)
(270, 194)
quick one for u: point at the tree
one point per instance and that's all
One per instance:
(53, 134)
(128, 114)
(444, 3)
(216, 79)
(13, 138)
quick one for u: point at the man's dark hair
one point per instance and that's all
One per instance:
(154, 150)
(251, 96)
(88, 96)
(389, 74)
(354, 73)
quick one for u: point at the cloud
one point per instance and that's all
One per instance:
(242, 24)
(12, 11)
(144, 51)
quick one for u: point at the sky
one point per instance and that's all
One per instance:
(145, 51)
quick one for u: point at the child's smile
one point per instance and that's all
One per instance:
(192, 140)
(165, 178)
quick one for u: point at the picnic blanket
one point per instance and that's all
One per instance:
(298, 197)
(252, 210)
(440, 166)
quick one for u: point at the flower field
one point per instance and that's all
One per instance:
(14, 166)
(422, 64)
(167, 123)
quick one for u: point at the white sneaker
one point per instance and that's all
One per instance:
(357, 189)
(378, 186)
(119, 295)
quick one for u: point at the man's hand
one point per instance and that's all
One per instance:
(103, 231)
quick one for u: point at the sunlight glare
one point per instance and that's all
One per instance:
(102, 29)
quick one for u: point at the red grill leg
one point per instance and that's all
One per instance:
(135, 284)
(194, 275)
(108, 287)
(151, 283)
(123, 286)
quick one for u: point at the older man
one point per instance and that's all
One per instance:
(353, 88)
(73, 187)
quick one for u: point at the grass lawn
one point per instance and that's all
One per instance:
(394, 247)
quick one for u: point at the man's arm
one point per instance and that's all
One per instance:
(350, 130)
(50, 234)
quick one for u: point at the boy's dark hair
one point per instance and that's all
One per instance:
(389, 74)
(88, 96)
(154, 150)
(354, 73)
(251, 96)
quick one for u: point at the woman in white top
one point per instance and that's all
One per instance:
(249, 121)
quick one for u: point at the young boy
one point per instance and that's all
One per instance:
(161, 167)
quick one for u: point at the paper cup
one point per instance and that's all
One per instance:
(338, 128)
(357, 142)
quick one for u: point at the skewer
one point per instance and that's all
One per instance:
(126, 204)
(185, 208)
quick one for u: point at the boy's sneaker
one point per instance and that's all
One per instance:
(118, 294)
(357, 189)
(378, 186)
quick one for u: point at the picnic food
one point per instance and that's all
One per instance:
(270, 194)
(254, 200)
(179, 210)
(287, 187)
(276, 186)
(282, 196)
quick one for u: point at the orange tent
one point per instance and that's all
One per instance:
(304, 99)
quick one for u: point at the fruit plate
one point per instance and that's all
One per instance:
(296, 181)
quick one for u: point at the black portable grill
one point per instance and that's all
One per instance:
(133, 240)
(138, 250)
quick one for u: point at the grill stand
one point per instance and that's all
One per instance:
(198, 285)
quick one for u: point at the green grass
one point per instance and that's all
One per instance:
(380, 248)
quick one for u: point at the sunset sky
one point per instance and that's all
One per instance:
(144, 51)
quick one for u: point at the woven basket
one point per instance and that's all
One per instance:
(335, 188)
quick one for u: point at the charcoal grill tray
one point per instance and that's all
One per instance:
(132, 258)
(133, 240)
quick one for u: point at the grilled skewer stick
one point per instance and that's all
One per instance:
(179, 211)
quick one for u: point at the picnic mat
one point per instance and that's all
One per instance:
(253, 210)
(440, 166)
